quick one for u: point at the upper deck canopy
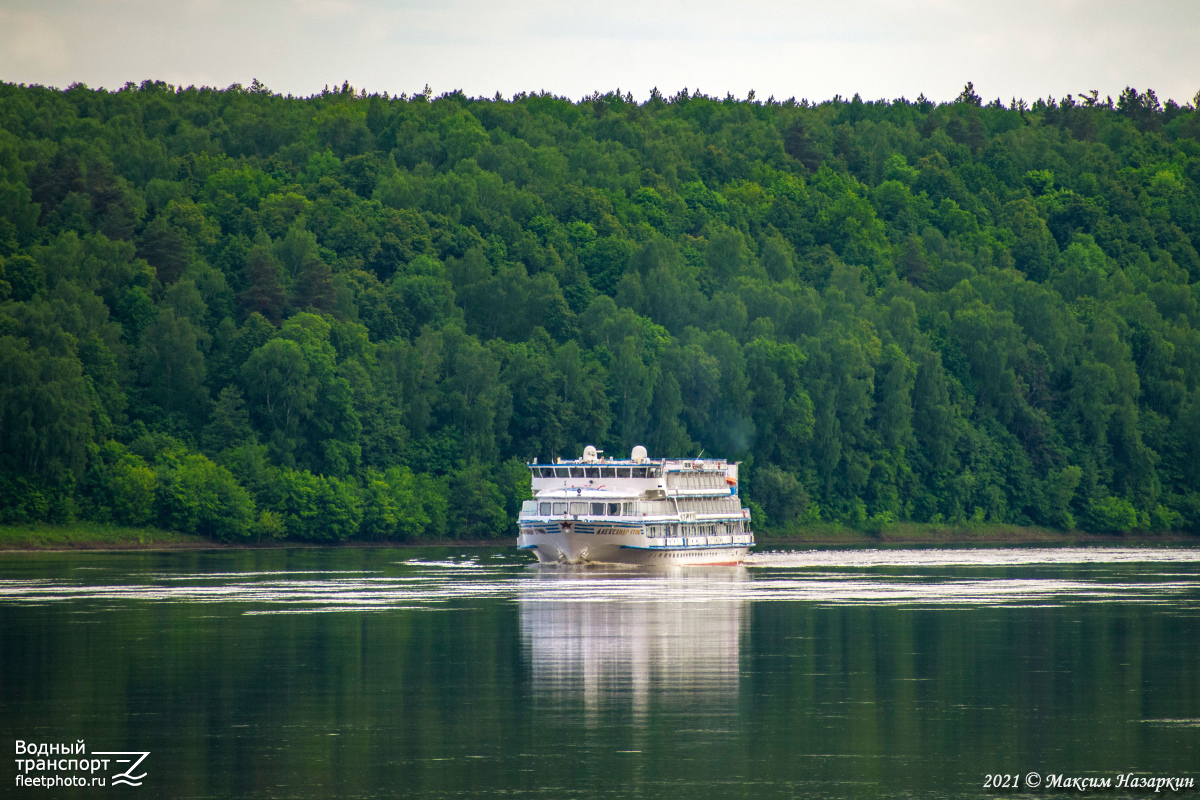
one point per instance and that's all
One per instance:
(638, 465)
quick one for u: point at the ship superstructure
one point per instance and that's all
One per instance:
(635, 511)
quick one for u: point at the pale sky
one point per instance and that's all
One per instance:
(878, 48)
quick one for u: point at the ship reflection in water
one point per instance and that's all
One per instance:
(616, 639)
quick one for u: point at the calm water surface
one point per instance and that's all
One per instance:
(445, 673)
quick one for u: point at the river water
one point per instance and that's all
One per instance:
(448, 673)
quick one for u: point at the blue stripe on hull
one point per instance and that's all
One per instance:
(678, 547)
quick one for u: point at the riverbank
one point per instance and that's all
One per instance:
(15, 538)
(86, 536)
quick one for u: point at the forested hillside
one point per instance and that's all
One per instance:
(356, 316)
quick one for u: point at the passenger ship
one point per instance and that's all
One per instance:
(635, 511)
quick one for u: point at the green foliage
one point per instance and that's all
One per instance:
(476, 505)
(393, 505)
(121, 487)
(197, 496)
(367, 312)
(313, 507)
(782, 496)
(1112, 515)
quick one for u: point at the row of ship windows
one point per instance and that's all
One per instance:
(595, 509)
(698, 505)
(596, 472)
(715, 529)
(682, 480)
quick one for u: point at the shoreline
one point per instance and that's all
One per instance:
(96, 538)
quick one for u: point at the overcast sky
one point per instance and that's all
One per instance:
(878, 48)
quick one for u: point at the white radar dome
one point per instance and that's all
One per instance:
(589, 453)
(638, 454)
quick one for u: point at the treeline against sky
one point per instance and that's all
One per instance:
(356, 316)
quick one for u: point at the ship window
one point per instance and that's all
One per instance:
(639, 472)
(630, 509)
(562, 472)
(560, 508)
(598, 509)
(577, 472)
(622, 472)
(608, 472)
(579, 508)
(544, 509)
(614, 509)
(592, 472)
(548, 472)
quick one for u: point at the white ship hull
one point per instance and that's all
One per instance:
(581, 543)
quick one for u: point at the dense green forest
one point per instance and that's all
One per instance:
(356, 316)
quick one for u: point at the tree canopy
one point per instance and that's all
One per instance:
(354, 315)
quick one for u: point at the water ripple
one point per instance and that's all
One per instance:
(973, 557)
(824, 577)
